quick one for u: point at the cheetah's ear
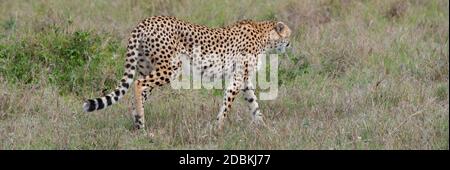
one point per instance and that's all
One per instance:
(282, 29)
(279, 27)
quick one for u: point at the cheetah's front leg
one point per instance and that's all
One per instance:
(229, 96)
(250, 97)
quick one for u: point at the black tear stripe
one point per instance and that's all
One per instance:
(100, 103)
(91, 105)
(108, 100)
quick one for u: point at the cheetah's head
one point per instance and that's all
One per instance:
(279, 37)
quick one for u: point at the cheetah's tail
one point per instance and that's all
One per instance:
(126, 81)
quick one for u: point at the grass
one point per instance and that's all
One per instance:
(361, 75)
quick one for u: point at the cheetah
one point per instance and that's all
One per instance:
(157, 44)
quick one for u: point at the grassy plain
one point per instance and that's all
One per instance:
(362, 75)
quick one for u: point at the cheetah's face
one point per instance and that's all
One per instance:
(279, 37)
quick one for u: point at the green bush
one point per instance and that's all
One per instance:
(74, 61)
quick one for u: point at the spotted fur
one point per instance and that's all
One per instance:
(156, 44)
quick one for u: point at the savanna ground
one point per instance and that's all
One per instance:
(361, 75)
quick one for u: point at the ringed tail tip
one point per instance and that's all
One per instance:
(89, 105)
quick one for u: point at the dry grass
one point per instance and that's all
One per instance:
(362, 75)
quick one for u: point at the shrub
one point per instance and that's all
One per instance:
(74, 61)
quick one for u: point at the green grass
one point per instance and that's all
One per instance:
(64, 58)
(361, 75)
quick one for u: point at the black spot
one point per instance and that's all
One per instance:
(127, 66)
(100, 104)
(126, 85)
(116, 98)
(123, 92)
(250, 100)
(117, 92)
(108, 100)
(130, 76)
(136, 119)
